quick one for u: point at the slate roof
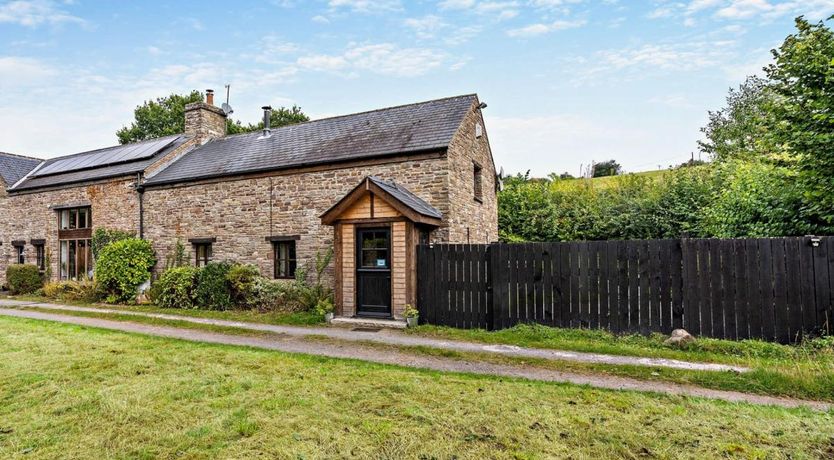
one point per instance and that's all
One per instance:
(107, 163)
(14, 167)
(407, 198)
(404, 129)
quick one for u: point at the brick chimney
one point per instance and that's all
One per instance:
(203, 120)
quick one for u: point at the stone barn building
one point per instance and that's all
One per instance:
(368, 186)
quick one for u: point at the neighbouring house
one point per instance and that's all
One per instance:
(368, 186)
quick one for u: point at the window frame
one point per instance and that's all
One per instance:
(73, 221)
(207, 254)
(20, 254)
(68, 266)
(290, 264)
(40, 255)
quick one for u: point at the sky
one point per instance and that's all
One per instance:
(567, 82)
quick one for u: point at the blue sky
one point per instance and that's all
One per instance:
(567, 81)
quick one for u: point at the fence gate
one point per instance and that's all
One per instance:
(769, 288)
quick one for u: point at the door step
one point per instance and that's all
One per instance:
(368, 323)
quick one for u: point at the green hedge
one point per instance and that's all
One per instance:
(23, 278)
(122, 267)
(176, 288)
(213, 291)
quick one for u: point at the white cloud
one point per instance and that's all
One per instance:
(33, 13)
(641, 61)
(460, 35)
(661, 12)
(501, 10)
(739, 10)
(677, 101)
(742, 9)
(366, 6)
(558, 4)
(541, 29)
(22, 71)
(153, 50)
(322, 62)
(320, 19)
(456, 4)
(383, 59)
(426, 26)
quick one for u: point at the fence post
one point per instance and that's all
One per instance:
(496, 285)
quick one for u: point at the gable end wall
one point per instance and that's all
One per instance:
(471, 221)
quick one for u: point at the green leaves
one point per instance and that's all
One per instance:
(122, 267)
(165, 116)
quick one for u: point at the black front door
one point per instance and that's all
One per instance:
(373, 272)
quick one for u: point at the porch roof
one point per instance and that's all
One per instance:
(400, 198)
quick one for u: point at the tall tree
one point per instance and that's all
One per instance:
(607, 168)
(739, 130)
(803, 81)
(162, 117)
(166, 116)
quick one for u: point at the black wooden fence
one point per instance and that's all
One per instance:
(768, 288)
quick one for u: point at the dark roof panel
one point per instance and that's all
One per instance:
(112, 166)
(404, 129)
(15, 167)
(106, 156)
(407, 198)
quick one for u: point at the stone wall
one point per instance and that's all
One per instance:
(204, 121)
(240, 214)
(471, 220)
(27, 216)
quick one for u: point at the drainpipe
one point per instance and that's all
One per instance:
(140, 189)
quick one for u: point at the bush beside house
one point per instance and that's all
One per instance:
(226, 285)
(23, 279)
(122, 267)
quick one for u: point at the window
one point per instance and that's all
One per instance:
(75, 219)
(40, 257)
(75, 259)
(374, 249)
(478, 182)
(20, 254)
(203, 254)
(285, 261)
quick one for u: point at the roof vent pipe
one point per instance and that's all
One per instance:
(267, 115)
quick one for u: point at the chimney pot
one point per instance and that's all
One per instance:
(210, 96)
(267, 115)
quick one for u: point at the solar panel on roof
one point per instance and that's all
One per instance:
(103, 157)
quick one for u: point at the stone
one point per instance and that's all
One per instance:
(679, 338)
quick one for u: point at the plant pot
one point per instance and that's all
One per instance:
(411, 321)
(328, 318)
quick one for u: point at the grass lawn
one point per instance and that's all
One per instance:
(283, 318)
(73, 392)
(804, 371)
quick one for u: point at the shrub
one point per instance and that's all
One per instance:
(23, 278)
(122, 267)
(103, 236)
(85, 290)
(213, 289)
(175, 288)
(269, 295)
(242, 279)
